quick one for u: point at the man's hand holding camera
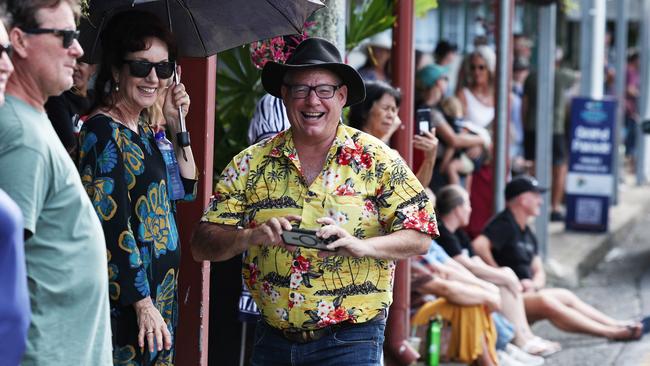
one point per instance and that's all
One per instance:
(347, 244)
(270, 232)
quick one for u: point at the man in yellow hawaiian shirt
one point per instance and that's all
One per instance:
(318, 307)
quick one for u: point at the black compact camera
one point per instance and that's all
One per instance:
(307, 238)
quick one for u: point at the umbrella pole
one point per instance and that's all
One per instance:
(242, 349)
(183, 137)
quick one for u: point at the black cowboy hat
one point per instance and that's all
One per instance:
(315, 53)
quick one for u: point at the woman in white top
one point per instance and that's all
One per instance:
(477, 91)
(476, 94)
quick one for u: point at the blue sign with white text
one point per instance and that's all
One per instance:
(591, 149)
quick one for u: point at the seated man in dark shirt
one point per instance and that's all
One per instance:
(508, 241)
(453, 209)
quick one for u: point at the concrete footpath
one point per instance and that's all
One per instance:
(574, 254)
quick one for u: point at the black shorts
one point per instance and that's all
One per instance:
(560, 151)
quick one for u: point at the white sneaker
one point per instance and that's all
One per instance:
(507, 360)
(523, 357)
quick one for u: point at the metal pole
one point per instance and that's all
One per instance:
(242, 344)
(546, 26)
(465, 26)
(592, 48)
(504, 65)
(644, 99)
(621, 49)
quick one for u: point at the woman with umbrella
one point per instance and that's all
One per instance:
(124, 172)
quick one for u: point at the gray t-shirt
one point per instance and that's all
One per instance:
(66, 261)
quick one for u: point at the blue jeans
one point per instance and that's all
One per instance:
(358, 345)
(505, 330)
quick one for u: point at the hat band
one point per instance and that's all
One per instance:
(311, 63)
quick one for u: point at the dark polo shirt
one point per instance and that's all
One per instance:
(511, 246)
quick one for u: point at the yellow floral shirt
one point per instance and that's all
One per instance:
(364, 186)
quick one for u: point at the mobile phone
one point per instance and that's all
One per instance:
(307, 238)
(422, 120)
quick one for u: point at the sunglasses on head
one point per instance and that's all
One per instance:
(140, 69)
(67, 35)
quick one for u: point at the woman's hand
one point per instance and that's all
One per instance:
(152, 326)
(176, 97)
(528, 285)
(427, 143)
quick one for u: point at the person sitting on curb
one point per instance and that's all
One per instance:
(454, 210)
(463, 301)
(508, 241)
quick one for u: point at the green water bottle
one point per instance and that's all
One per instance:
(433, 338)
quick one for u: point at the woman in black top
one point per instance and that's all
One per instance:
(377, 115)
(125, 174)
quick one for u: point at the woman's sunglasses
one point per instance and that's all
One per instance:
(140, 69)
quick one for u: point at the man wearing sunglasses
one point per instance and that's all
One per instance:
(64, 244)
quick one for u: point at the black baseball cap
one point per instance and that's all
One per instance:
(522, 184)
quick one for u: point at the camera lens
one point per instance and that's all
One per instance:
(308, 240)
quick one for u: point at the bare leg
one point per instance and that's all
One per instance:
(512, 307)
(568, 298)
(452, 171)
(468, 182)
(484, 358)
(543, 305)
(557, 190)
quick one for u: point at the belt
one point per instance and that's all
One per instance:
(306, 336)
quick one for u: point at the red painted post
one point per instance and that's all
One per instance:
(398, 352)
(199, 77)
(403, 57)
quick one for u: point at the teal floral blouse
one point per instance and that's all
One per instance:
(125, 176)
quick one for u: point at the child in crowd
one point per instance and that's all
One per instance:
(456, 164)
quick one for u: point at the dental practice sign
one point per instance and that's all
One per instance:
(591, 150)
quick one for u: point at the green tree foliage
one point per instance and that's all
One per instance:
(238, 89)
(369, 17)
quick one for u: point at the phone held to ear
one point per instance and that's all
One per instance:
(308, 239)
(422, 120)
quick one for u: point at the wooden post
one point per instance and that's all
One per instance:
(199, 77)
(398, 352)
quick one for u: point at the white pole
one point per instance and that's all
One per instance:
(503, 93)
(644, 99)
(592, 48)
(544, 119)
(621, 50)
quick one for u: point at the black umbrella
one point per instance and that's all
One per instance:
(204, 27)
